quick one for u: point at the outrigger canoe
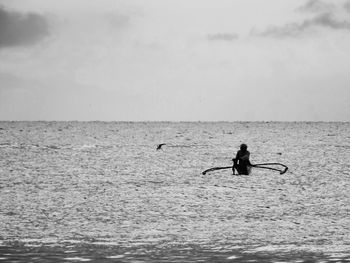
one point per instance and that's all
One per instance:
(260, 165)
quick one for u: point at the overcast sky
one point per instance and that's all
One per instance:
(173, 60)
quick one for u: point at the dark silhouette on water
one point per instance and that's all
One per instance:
(241, 163)
(160, 146)
(259, 165)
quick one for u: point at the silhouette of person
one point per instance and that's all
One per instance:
(241, 162)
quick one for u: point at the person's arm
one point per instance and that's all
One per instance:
(235, 160)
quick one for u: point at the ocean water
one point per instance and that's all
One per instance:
(100, 191)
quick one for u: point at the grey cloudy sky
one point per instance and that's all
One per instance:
(207, 60)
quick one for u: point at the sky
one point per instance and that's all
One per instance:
(167, 60)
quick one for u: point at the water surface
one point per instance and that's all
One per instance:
(102, 185)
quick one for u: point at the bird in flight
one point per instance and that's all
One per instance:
(160, 146)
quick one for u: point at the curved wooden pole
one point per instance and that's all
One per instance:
(216, 168)
(261, 165)
(271, 164)
(270, 168)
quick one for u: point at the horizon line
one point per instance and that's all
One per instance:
(163, 121)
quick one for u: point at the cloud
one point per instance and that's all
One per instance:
(325, 15)
(116, 20)
(11, 81)
(347, 6)
(8, 81)
(316, 6)
(325, 20)
(21, 29)
(222, 37)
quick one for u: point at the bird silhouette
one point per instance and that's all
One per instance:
(160, 146)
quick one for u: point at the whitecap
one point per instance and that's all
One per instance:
(233, 257)
(78, 259)
(117, 256)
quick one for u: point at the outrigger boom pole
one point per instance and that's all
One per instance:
(262, 165)
(216, 168)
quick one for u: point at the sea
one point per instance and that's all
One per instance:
(101, 192)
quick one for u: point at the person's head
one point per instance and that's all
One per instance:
(243, 147)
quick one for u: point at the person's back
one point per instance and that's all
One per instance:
(241, 162)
